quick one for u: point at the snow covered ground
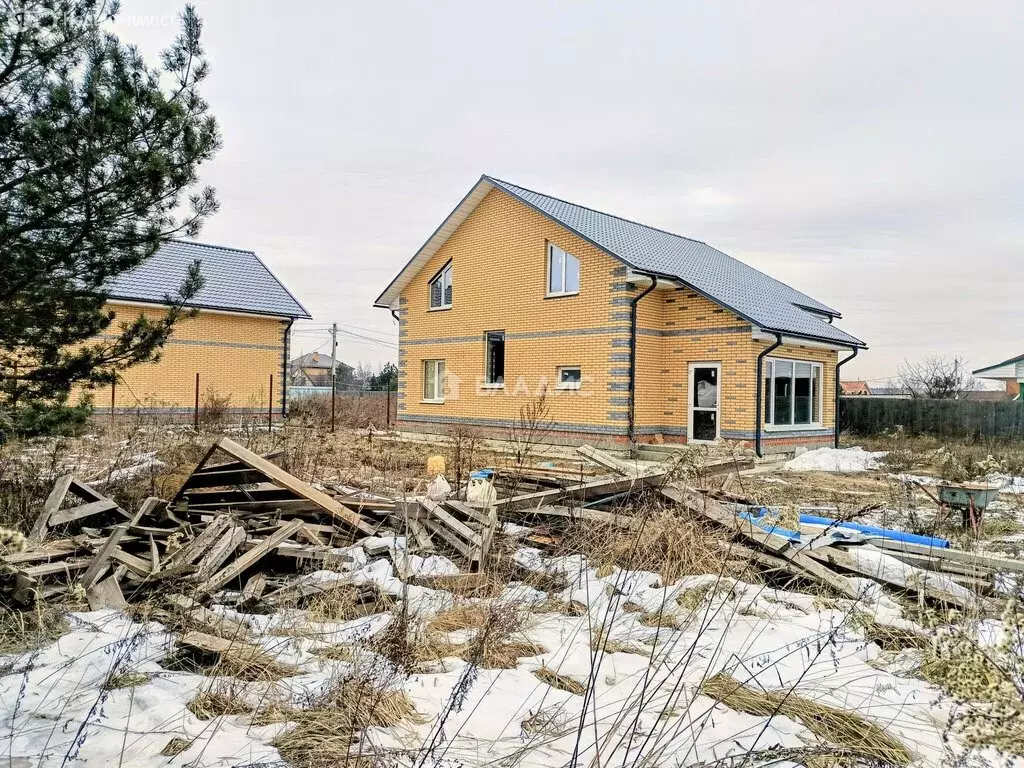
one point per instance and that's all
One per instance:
(854, 459)
(643, 705)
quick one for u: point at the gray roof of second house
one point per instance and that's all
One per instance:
(761, 300)
(235, 280)
(316, 360)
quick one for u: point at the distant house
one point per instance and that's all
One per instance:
(1010, 372)
(313, 369)
(235, 344)
(854, 388)
(897, 392)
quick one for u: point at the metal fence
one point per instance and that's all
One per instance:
(947, 419)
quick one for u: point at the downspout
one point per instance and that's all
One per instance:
(759, 389)
(284, 367)
(394, 314)
(835, 418)
(632, 354)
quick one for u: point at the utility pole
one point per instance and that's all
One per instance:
(334, 369)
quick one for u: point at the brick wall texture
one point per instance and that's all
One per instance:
(499, 277)
(235, 356)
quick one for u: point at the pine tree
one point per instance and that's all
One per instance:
(98, 167)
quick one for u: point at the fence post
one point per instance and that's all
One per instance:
(195, 409)
(113, 393)
(270, 405)
(387, 411)
(334, 392)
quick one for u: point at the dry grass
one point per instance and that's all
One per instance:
(324, 734)
(339, 604)
(24, 631)
(561, 682)
(126, 680)
(336, 653)
(694, 598)
(210, 704)
(661, 621)
(469, 585)
(671, 543)
(600, 641)
(831, 725)
(250, 664)
(557, 605)
(175, 747)
(471, 616)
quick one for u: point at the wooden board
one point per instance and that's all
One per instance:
(244, 562)
(50, 506)
(101, 561)
(805, 565)
(221, 550)
(589, 490)
(293, 484)
(617, 465)
(85, 510)
(105, 594)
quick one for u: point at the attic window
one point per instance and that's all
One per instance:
(441, 288)
(563, 272)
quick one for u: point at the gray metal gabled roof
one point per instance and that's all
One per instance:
(235, 280)
(753, 295)
(761, 300)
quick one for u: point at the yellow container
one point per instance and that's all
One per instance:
(435, 466)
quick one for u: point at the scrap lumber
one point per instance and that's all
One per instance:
(582, 492)
(221, 550)
(84, 510)
(589, 515)
(50, 506)
(420, 534)
(101, 561)
(244, 562)
(254, 587)
(198, 546)
(777, 545)
(606, 460)
(105, 594)
(987, 562)
(301, 494)
(837, 557)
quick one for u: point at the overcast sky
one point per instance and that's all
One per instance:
(866, 153)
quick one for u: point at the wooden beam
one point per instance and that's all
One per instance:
(195, 549)
(105, 594)
(456, 526)
(296, 486)
(459, 545)
(221, 550)
(987, 562)
(615, 464)
(50, 506)
(778, 545)
(136, 565)
(475, 515)
(242, 563)
(85, 510)
(589, 490)
(100, 562)
(421, 535)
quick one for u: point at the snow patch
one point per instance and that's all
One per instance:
(854, 459)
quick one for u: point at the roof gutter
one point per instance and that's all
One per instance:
(759, 389)
(632, 352)
(835, 419)
(284, 367)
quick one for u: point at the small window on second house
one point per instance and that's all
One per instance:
(563, 272)
(570, 377)
(494, 362)
(433, 381)
(441, 289)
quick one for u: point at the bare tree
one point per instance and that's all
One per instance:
(936, 377)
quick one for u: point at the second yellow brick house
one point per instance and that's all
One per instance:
(632, 333)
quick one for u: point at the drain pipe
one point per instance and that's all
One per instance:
(632, 354)
(759, 388)
(835, 418)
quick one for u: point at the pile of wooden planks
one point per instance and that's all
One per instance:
(224, 521)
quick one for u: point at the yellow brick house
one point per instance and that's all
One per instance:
(237, 343)
(632, 333)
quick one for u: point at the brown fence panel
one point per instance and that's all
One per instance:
(946, 419)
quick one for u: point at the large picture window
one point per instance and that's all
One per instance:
(792, 393)
(441, 289)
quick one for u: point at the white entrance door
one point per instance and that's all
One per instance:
(704, 398)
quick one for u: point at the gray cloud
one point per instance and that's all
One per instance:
(866, 153)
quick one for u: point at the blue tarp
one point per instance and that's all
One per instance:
(870, 530)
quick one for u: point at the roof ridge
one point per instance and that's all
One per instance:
(603, 213)
(183, 241)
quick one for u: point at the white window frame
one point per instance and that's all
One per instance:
(565, 260)
(691, 404)
(569, 385)
(817, 418)
(439, 381)
(444, 276)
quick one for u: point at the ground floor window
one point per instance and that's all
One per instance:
(792, 393)
(570, 377)
(433, 381)
(494, 357)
